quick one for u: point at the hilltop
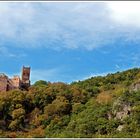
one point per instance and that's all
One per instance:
(102, 106)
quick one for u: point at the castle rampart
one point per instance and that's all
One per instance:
(7, 83)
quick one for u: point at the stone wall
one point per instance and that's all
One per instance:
(15, 82)
(3, 82)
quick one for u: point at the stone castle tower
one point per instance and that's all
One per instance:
(7, 84)
(25, 77)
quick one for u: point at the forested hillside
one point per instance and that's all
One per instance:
(102, 106)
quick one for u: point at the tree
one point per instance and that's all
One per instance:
(40, 83)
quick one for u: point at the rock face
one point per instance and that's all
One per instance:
(109, 116)
(121, 109)
(124, 113)
(135, 86)
(120, 127)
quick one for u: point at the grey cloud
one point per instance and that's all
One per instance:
(75, 25)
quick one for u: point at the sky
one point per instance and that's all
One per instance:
(69, 41)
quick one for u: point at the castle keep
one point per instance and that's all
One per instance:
(16, 82)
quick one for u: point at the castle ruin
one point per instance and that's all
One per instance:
(16, 82)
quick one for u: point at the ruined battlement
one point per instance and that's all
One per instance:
(15, 82)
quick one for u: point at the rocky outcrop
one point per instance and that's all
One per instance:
(121, 109)
(120, 127)
(109, 116)
(135, 86)
(124, 112)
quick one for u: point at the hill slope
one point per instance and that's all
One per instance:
(107, 106)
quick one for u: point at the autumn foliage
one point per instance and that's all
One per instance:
(81, 109)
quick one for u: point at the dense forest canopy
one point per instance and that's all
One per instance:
(102, 106)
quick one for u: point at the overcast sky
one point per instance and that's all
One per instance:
(68, 41)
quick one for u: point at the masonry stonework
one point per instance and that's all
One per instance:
(7, 83)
